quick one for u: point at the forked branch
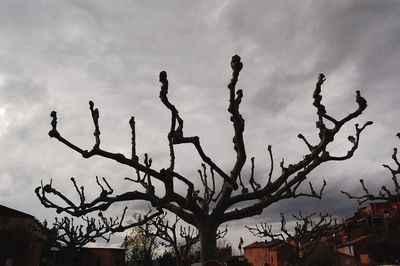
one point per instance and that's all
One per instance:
(304, 237)
(385, 194)
(286, 185)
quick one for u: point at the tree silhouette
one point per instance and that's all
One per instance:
(140, 245)
(71, 237)
(307, 233)
(385, 193)
(177, 237)
(211, 204)
(168, 233)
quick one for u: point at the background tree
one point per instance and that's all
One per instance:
(190, 237)
(211, 204)
(385, 193)
(70, 237)
(304, 238)
(167, 259)
(168, 234)
(177, 237)
(223, 253)
(140, 246)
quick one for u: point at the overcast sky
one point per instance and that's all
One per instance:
(58, 55)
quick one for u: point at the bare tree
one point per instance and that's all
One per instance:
(210, 205)
(76, 236)
(168, 233)
(190, 238)
(176, 236)
(304, 238)
(71, 237)
(140, 245)
(385, 193)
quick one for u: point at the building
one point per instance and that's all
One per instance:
(272, 253)
(373, 232)
(22, 239)
(369, 237)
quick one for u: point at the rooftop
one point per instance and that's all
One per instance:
(263, 244)
(6, 211)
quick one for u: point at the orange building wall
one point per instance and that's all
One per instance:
(260, 256)
(364, 259)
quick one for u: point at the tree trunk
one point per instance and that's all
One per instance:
(177, 255)
(208, 242)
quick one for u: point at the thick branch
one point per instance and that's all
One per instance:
(286, 184)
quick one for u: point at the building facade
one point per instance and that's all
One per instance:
(22, 239)
(269, 253)
(370, 237)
